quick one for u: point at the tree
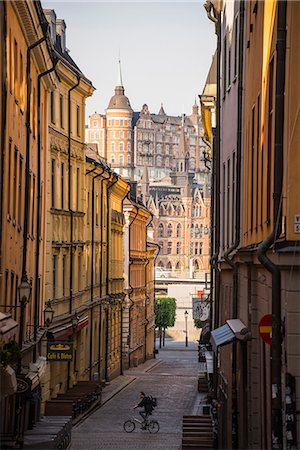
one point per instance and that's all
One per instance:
(165, 315)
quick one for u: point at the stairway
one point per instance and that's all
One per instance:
(197, 433)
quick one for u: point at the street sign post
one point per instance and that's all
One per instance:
(265, 328)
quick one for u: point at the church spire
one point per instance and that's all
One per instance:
(161, 112)
(120, 81)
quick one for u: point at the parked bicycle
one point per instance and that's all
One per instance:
(151, 425)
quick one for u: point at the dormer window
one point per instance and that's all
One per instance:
(95, 124)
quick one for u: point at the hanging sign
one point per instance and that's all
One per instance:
(265, 329)
(201, 309)
(23, 385)
(61, 351)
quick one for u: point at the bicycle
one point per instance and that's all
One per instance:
(151, 425)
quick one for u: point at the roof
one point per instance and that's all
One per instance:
(119, 100)
(210, 87)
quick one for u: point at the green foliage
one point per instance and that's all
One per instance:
(165, 312)
(197, 323)
(9, 353)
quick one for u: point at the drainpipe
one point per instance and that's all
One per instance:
(70, 209)
(27, 164)
(156, 256)
(101, 276)
(107, 272)
(276, 348)
(129, 283)
(92, 269)
(121, 311)
(38, 215)
(3, 114)
(147, 298)
(235, 245)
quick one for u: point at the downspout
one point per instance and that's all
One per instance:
(92, 270)
(101, 277)
(147, 298)
(154, 265)
(70, 210)
(69, 193)
(38, 215)
(129, 284)
(233, 265)
(121, 311)
(3, 115)
(108, 226)
(27, 164)
(276, 348)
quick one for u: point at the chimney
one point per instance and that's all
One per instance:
(61, 30)
(51, 18)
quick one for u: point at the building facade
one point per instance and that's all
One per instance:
(256, 241)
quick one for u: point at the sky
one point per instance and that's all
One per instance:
(166, 50)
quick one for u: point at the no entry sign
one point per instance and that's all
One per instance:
(265, 328)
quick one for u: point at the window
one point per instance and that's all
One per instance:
(200, 248)
(170, 229)
(121, 146)
(112, 147)
(192, 230)
(129, 159)
(77, 188)
(169, 250)
(54, 276)
(224, 65)
(112, 158)
(20, 203)
(62, 180)
(121, 123)
(178, 248)
(53, 183)
(229, 65)
(15, 168)
(34, 112)
(61, 111)
(196, 248)
(235, 67)
(21, 82)
(257, 155)
(178, 230)
(161, 244)
(122, 134)
(158, 161)
(97, 210)
(160, 230)
(233, 196)
(270, 137)
(121, 160)
(228, 201)
(128, 146)
(78, 120)
(64, 272)
(33, 205)
(95, 125)
(52, 107)
(252, 166)
(16, 70)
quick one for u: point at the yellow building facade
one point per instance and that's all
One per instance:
(24, 137)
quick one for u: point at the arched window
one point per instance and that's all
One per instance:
(158, 161)
(200, 249)
(160, 230)
(121, 146)
(121, 160)
(161, 244)
(169, 252)
(196, 248)
(178, 266)
(197, 231)
(169, 265)
(112, 146)
(178, 248)
(170, 229)
(112, 158)
(201, 230)
(192, 230)
(161, 264)
(129, 159)
(128, 146)
(196, 266)
(178, 230)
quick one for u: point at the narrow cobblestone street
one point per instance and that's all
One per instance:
(172, 378)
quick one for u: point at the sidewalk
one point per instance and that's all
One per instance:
(171, 344)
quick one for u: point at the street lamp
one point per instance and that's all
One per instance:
(48, 314)
(186, 329)
(24, 296)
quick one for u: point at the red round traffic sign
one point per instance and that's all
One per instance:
(265, 328)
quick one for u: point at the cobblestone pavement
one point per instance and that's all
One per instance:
(172, 378)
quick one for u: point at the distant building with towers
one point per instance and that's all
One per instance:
(165, 155)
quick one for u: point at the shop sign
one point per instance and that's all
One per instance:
(61, 351)
(23, 385)
(265, 329)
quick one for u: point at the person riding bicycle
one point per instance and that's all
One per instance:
(144, 403)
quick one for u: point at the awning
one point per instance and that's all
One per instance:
(8, 328)
(233, 329)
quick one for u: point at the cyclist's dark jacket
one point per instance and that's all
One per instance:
(146, 404)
